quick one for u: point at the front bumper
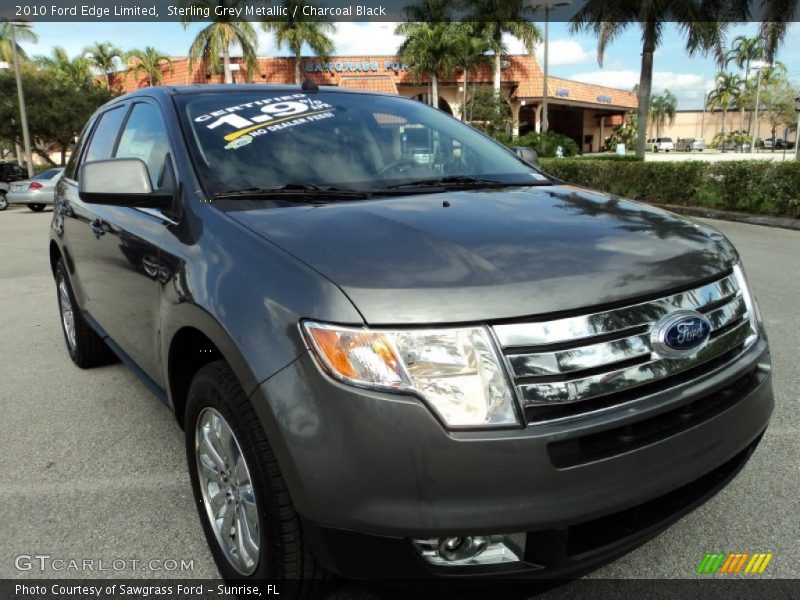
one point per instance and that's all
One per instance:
(381, 468)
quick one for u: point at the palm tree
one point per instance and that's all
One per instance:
(75, 72)
(744, 50)
(103, 57)
(150, 62)
(296, 31)
(607, 19)
(776, 15)
(218, 36)
(22, 34)
(497, 17)
(662, 110)
(429, 51)
(724, 95)
(429, 11)
(468, 52)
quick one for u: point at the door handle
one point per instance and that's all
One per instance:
(97, 228)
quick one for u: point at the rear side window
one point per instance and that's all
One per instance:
(144, 137)
(105, 135)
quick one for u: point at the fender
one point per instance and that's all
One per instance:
(176, 317)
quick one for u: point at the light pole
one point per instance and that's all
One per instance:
(547, 5)
(23, 115)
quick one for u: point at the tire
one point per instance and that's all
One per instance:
(3, 201)
(36, 207)
(216, 401)
(85, 347)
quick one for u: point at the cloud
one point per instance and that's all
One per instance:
(565, 52)
(350, 39)
(369, 38)
(562, 52)
(689, 88)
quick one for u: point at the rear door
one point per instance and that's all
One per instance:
(117, 247)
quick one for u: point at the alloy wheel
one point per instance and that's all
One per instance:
(67, 313)
(227, 490)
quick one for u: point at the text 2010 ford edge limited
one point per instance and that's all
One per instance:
(396, 348)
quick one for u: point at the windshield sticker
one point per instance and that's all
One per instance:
(538, 177)
(239, 142)
(251, 119)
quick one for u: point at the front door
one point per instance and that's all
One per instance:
(116, 248)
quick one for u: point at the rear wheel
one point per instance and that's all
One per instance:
(3, 201)
(36, 207)
(85, 347)
(244, 506)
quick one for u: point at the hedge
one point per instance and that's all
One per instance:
(546, 144)
(754, 186)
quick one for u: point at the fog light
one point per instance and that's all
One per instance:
(472, 549)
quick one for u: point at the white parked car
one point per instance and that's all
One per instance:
(657, 144)
(690, 144)
(37, 192)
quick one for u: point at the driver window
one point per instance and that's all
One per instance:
(144, 137)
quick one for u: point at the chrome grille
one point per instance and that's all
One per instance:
(576, 361)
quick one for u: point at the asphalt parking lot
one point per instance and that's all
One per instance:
(92, 465)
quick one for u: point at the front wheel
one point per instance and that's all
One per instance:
(244, 506)
(3, 201)
(36, 207)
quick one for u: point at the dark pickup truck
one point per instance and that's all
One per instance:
(396, 348)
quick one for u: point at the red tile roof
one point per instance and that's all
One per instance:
(384, 73)
(373, 83)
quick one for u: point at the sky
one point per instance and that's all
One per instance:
(572, 56)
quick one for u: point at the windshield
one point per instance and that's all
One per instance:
(265, 139)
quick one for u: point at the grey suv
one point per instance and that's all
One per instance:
(396, 348)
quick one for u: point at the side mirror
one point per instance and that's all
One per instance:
(120, 182)
(529, 155)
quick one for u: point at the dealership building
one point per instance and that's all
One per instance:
(582, 111)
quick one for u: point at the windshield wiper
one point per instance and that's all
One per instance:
(292, 191)
(449, 182)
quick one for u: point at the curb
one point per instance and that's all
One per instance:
(727, 215)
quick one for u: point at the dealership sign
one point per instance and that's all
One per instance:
(357, 66)
(602, 99)
(562, 92)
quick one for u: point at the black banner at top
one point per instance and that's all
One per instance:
(388, 10)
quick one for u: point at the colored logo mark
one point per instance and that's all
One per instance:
(734, 562)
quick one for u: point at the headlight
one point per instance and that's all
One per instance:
(753, 312)
(456, 371)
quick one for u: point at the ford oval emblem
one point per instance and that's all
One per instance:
(680, 334)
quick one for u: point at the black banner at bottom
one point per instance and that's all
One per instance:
(715, 588)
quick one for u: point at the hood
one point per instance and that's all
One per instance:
(490, 254)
